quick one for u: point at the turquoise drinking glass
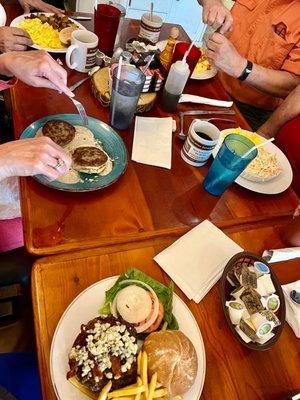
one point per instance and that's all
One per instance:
(229, 163)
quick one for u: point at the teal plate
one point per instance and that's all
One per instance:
(111, 142)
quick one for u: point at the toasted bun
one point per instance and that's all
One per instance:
(172, 355)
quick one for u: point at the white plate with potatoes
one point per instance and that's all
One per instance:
(42, 35)
(86, 307)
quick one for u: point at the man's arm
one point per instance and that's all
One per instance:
(215, 14)
(226, 58)
(289, 109)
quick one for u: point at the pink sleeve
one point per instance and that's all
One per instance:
(6, 85)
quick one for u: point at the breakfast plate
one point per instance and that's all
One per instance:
(112, 144)
(83, 308)
(274, 186)
(208, 74)
(16, 24)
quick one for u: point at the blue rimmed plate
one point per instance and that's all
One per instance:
(111, 142)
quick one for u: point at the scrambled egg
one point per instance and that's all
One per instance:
(254, 137)
(42, 34)
(203, 63)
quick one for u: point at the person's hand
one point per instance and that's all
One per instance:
(28, 157)
(267, 129)
(36, 68)
(224, 55)
(39, 5)
(215, 14)
(12, 39)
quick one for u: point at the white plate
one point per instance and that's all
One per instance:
(203, 75)
(208, 74)
(84, 308)
(16, 22)
(274, 186)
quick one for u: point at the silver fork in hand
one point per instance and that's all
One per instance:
(81, 111)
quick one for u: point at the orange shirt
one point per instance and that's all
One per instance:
(266, 32)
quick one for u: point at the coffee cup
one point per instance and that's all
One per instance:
(201, 139)
(150, 27)
(81, 55)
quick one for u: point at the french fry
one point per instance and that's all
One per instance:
(139, 362)
(138, 395)
(104, 392)
(75, 382)
(158, 385)
(159, 393)
(126, 392)
(144, 372)
(152, 386)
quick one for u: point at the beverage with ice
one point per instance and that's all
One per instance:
(126, 90)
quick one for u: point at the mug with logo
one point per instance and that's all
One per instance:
(81, 55)
(202, 138)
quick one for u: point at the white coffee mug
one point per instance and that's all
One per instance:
(202, 138)
(150, 27)
(81, 55)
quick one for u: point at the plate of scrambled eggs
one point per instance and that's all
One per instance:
(269, 173)
(204, 69)
(42, 33)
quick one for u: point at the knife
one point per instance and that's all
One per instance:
(80, 18)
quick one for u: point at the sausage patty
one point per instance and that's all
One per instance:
(61, 132)
(89, 157)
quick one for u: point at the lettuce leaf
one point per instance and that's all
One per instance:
(164, 294)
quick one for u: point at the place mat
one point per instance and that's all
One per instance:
(196, 261)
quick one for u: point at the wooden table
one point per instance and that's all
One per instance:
(147, 202)
(233, 372)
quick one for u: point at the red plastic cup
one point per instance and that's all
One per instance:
(107, 18)
(192, 58)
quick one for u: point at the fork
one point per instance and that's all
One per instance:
(182, 135)
(81, 111)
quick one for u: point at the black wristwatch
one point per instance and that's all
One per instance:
(247, 71)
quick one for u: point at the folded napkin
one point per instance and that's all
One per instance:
(292, 309)
(196, 261)
(152, 142)
(281, 254)
(190, 98)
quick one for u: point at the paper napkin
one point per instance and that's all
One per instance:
(195, 262)
(281, 254)
(190, 98)
(292, 309)
(152, 142)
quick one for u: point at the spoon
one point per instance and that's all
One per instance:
(90, 74)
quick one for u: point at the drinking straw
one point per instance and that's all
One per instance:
(151, 11)
(257, 147)
(117, 86)
(192, 44)
(119, 68)
(148, 63)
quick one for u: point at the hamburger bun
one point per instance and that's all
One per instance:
(172, 355)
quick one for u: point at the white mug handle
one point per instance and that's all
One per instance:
(68, 56)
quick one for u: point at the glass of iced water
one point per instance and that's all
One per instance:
(125, 95)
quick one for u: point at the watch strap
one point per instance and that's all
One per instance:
(247, 71)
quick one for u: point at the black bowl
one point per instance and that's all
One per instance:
(226, 288)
